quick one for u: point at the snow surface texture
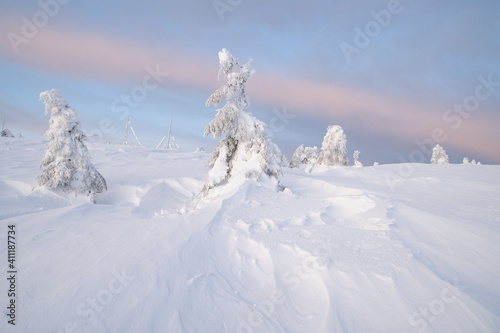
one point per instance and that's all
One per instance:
(341, 249)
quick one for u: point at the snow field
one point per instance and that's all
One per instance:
(341, 249)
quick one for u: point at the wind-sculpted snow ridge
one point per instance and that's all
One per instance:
(340, 249)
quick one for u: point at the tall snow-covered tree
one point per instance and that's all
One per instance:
(333, 149)
(67, 159)
(244, 150)
(355, 156)
(439, 155)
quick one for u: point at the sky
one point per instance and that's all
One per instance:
(397, 76)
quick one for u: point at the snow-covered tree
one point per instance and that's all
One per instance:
(67, 159)
(466, 161)
(333, 149)
(245, 150)
(296, 157)
(309, 156)
(439, 155)
(274, 152)
(355, 156)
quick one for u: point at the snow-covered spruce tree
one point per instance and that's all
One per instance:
(245, 150)
(309, 156)
(333, 149)
(67, 159)
(355, 156)
(301, 156)
(296, 157)
(466, 161)
(439, 155)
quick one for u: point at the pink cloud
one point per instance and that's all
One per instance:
(377, 113)
(91, 56)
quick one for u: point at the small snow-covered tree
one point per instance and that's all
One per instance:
(67, 159)
(355, 156)
(333, 149)
(296, 157)
(245, 150)
(466, 161)
(274, 153)
(309, 156)
(439, 155)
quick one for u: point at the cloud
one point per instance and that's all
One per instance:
(91, 56)
(377, 114)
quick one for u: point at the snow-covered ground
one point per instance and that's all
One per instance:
(341, 249)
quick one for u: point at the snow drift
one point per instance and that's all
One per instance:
(341, 249)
